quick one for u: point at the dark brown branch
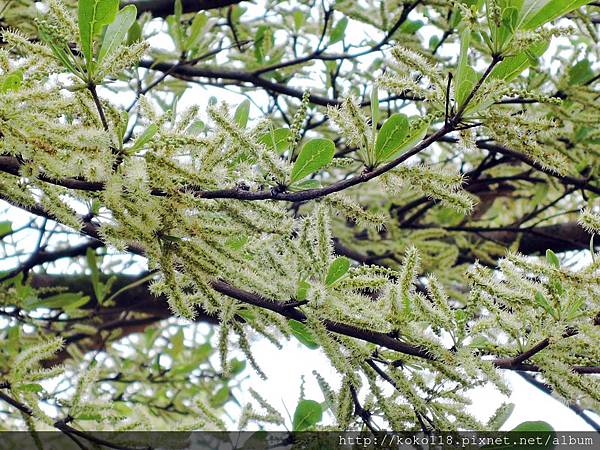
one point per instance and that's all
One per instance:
(164, 8)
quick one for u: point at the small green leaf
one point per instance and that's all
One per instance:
(237, 242)
(30, 387)
(220, 397)
(536, 13)
(263, 41)
(390, 136)
(195, 30)
(299, 19)
(303, 334)
(306, 184)
(552, 258)
(236, 366)
(12, 81)
(338, 31)
(307, 414)
(93, 15)
(581, 72)
(143, 138)
(541, 301)
(134, 34)
(302, 290)
(314, 155)
(337, 269)
(539, 434)
(276, 140)
(512, 66)
(116, 32)
(69, 300)
(463, 71)
(5, 228)
(241, 114)
(195, 128)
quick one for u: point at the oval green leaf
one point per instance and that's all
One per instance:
(276, 140)
(303, 334)
(241, 114)
(116, 32)
(308, 413)
(314, 155)
(337, 269)
(391, 136)
(93, 15)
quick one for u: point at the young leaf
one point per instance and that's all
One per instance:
(338, 31)
(276, 140)
(513, 66)
(581, 72)
(299, 19)
(5, 228)
(303, 334)
(541, 301)
(390, 137)
(197, 26)
(302, 290)
(552, 258)
(462, 68)
(536, 13)
(116, 32)
(307, 414)
(337, 269)
(64, 300)
(12, 81)
(241, 114)
(143, 138)
(93, 15)
(413, 137)
(220, 397)
(315, 154)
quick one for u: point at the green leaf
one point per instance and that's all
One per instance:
(69, 300)
(116, 32)
(338, 31)
(220, 397)
(241, 114)
(306, 184)
(552, 258)
(5, 228)
(143, 138)
(303, 334)
(30, 387)
(299, 19)
(276, 140)
(513, 66)
(463, 73)
(314, 155)
(307, 414)
(195, 128)
(93, 265)
(536, 13)
(337, 269)
(390, 136)
(263, 41)
(93, 15)
(195, 30)
(541, 301)
(12, 81)
(302, 290)
(236, 366)
(581, 72)
(134, 34)
(237, 242)
(415, 134)
(538, 433)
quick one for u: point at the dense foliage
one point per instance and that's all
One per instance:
(409, 187)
